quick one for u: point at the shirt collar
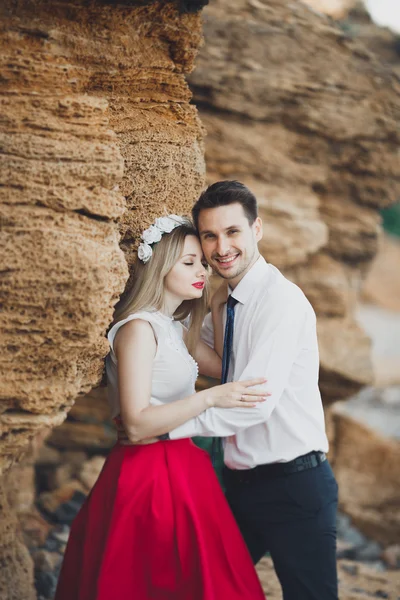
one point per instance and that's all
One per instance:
(244, 289)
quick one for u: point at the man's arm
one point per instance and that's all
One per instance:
(207, 331)
(276, 341)
(208, 360)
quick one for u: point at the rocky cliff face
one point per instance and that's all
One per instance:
(96, 120)
(382, 41)
(309, 120)
(97, 136)
(333, 8)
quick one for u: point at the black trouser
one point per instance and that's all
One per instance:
(293, 517)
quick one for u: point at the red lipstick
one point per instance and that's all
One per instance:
(199, 285)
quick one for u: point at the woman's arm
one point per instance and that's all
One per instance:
(135, 348)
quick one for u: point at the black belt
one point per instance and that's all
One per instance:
(301, 463)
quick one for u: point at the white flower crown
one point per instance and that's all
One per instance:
(154, 234)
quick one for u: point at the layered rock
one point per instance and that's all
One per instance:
(96, 119)
(334, 8)
(382, 41)
(62, 267)
(382, 284)
(16, 574)
(88, 426)
(316, 139)
(97, 136)
(367, 468)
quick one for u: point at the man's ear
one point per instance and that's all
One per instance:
(258, 228)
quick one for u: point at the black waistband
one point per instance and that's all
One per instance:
(301, 463)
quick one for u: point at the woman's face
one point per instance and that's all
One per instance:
(187, 277)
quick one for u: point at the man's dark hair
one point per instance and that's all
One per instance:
(223, 193)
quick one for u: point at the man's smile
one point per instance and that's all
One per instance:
(226, 261)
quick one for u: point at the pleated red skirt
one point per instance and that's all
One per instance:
(156, 526)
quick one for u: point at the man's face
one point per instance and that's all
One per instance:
(229, 242)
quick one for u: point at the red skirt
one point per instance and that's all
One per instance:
(156, 526)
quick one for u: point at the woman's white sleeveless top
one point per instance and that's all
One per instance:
(174, 370)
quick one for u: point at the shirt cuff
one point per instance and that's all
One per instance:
(187, 430)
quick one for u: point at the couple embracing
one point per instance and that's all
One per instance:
(157, 525)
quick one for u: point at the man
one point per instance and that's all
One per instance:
(278, 482)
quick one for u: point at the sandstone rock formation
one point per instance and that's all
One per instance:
(382, 284)
(353, 17)
(97, 136)
(367, 468)
(96, 118)
(333, 8)
(382, 41)
(16, 580)
(308, 119)
(88, 426)
(383, 326)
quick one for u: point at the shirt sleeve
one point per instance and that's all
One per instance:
(275, 341)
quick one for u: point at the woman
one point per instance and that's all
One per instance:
(156, 525)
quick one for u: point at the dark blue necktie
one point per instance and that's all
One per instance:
(216, 448)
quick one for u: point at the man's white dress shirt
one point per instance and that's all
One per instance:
(274, 337)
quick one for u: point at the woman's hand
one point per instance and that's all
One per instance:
(237, 394)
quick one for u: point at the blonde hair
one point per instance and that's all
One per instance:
(147, 291)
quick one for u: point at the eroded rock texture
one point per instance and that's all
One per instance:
(309, 120)
(333, 8)
(367, 468)
(16, 573)
(94, 108)
(97, 137)
(382, 41)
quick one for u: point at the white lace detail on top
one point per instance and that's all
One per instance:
(171, 379)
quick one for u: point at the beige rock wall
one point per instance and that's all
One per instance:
(97, 136)
(382, 284)
(334, 8)
(309, 120)
(16, 573)
(95, 119)
(382, 41)
(367, 468)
